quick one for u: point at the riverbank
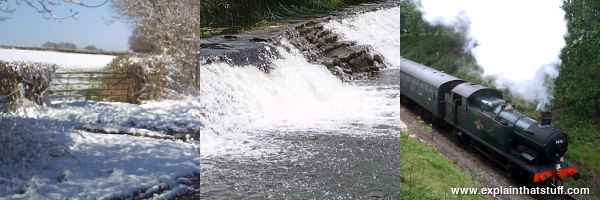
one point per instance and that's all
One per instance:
(230, 17)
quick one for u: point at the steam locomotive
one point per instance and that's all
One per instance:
(480, 118)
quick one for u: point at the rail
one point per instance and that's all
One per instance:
(90, 85)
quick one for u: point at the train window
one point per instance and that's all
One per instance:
(428, 92)
(420, 89)
(402, 77)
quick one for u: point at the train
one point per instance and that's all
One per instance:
(526, 148)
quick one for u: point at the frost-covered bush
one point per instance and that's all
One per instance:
(9, 87)
(36, 79)
(22, 79)
(154, 77)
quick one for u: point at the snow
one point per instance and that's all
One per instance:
(65, 61)
(66, 161)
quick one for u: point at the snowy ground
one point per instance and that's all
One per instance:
(63, 160)
(65, 61)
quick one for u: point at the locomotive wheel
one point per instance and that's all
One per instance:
(510, 170)
(460, 137)
(558, 181)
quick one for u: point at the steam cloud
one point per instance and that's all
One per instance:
(517, 42)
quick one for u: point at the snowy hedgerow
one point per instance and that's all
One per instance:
(24, 79)
(155, 77)
(36, 79)
(9, 87)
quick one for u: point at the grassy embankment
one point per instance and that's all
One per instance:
(232, 16)
(424, 174)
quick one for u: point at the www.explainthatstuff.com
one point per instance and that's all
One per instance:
(519, 190)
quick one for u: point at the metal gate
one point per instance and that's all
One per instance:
(94, 86)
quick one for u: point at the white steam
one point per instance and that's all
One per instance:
(517, 42)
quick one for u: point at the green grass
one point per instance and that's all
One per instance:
(424, 174)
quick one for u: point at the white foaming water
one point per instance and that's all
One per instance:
(379, 29)
(240, 101)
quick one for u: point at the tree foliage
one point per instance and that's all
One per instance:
(442, 47)
(578, 84)
(60, 45)
(411, 19)
(91, 48)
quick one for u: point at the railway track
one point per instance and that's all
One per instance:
(555, 197)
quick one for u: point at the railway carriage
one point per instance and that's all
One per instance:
(479, 116)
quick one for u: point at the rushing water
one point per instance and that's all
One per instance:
(298, 131)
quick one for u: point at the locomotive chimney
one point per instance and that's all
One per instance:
(546, 119)
(509, 105)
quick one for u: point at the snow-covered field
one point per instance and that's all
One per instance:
(63, 161)
(96, 150)
(65, 61)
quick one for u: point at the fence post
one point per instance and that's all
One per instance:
(129, 77)
(65, 92)
(89, 93)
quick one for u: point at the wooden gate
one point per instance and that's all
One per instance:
(94, 86)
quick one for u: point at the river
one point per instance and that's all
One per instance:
(298, 132)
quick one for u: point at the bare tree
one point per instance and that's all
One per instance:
(45, 7)
(172, 25)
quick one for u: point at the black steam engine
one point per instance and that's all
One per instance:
(530, 149)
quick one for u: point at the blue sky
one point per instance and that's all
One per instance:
(26, 27)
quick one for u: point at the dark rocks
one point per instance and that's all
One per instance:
(255, 39)
(237, 50)
(324, 47)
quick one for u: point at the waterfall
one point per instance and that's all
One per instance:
(239, 102)
(379, 29)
